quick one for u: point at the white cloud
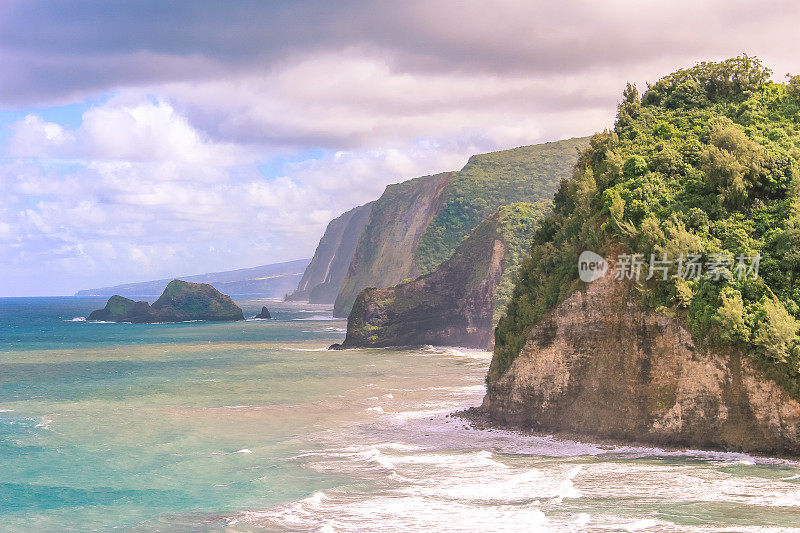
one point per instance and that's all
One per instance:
(104, 201)
(129, 128)
(162, 177)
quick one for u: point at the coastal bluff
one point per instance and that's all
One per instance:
(181, 301)
(457, 304)
(599, 365)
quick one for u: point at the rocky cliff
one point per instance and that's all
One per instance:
(323, 277)
(458, 303)
(703, 168)
(181, 301)
(385, 251)
(416, 225)
(601, 366)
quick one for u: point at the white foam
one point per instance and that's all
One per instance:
(77, 319)
(245, 450)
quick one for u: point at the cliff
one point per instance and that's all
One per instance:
(323, 277)
(601, 366)
(181, 301)
(459, 302)
(703, 170)
(385, 251)
(416, 225)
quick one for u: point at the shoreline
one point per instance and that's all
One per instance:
(480, 421)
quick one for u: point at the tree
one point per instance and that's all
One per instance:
(793, 86)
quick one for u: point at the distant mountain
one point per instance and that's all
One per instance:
(323, 277)
(270, 281)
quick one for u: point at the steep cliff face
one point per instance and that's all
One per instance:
(416, 225)
(703, 165)
(323, 277)
(456, 304)
(601, 366)
(385, 251)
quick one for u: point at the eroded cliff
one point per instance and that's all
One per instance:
(600, 365)
(385, 251)
(323, 277)
(417, 225)
(456, 304)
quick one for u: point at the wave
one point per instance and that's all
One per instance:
(293, 349)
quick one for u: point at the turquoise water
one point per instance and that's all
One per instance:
(254, 426)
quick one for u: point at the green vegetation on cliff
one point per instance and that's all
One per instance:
(459, 302)
(706, 162)
(384, 254)
(524, 174)
(416, 225)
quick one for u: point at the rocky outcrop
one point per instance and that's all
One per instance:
(181, 301)
(264, 313)
(457, 303)
(601, 366)
(323, 277)
(416, 225)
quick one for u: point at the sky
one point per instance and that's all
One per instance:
(150, 139)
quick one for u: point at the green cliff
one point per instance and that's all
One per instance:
(459, 302)
(385, 251)
(416, 225)
(323, 277)
(704, 164)
(181, 301)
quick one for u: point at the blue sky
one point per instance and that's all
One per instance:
(141, 140)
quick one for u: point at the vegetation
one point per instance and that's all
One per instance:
(706, 162)
(488, 181)
(516, 223)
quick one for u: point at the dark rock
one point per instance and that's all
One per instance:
(180, 302)
(264, 313)
(459, 303)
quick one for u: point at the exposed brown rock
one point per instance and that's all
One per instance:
(601, 366)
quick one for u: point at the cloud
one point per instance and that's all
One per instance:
(124, 130)
(104, 202)
(338, 99)
(55, 50)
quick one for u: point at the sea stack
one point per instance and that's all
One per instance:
(181, 301)
(264, 313)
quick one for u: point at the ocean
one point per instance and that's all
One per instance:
(255, 426)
